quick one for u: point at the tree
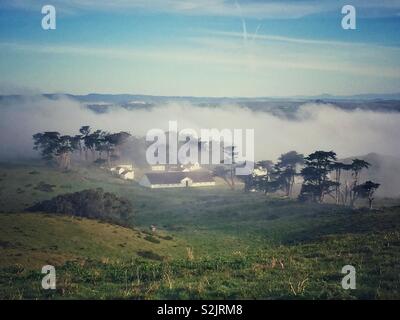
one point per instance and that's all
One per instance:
(265, 177)
(85, 132)
(231, 155)
(356, 167)
(221, 172)
(266, 165)
(316, 176)
(266, 184)
(47, 143)
(262, 176)
(76, 142)
(287, 170)
(91, 141)
(109, 143)
(248, 181)
(66, 145)
(366, 191)
(338, 167)
(55, 147)
(113, 143)
(100, 143)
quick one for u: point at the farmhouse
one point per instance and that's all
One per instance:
(191, 167)
(127, 175)
(121, 168)
(177, 179)
(124, 171)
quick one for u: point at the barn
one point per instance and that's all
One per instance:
(177, 179)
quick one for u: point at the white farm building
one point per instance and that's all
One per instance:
(125, 171)
(127, 175)
(177, 179)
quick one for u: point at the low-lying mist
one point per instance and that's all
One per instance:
(314, 126)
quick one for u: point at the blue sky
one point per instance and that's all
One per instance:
(200, 48)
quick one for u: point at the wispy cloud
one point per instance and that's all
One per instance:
(298, 40)
(231, 55)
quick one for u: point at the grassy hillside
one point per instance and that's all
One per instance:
(225, 244)
(33, 240)
(98, 266)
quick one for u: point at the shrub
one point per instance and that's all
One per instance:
(151, 239)
(166, 237)
(44, 187)
(92, 203)
(149, 255)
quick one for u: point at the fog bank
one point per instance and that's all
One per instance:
(316, 126)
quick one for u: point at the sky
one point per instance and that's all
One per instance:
(207, 48)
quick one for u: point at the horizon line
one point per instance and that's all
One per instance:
(298, 96)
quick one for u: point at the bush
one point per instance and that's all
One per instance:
(92, 203)
(44, 187)
(166, 237)
(152, 239)
(150, 255)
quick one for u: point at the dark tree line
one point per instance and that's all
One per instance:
(270, 177)
(321, 176)
(98, 146)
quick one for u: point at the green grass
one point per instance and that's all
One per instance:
(307, 271)
(242, 245)
(32, 240)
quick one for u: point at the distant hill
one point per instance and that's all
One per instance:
(126, 98)
(102, 103)
(121, 98)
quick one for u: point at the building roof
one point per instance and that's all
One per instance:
(176, 177)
